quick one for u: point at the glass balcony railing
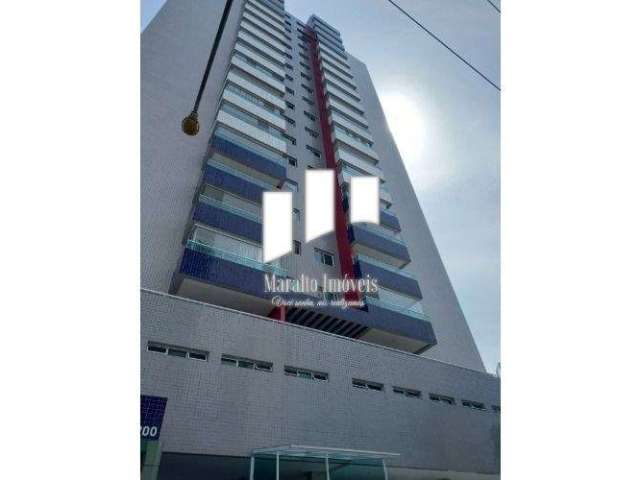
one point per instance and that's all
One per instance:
(242, 142)
(396, 308)
(378, 231)
(230, 208)
(236, 173)
(385, 266)
(235, 258)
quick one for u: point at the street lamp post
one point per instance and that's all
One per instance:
(190, 123)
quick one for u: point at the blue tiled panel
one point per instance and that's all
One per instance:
(370, 239)
(233, 184)
(227, 221)
(389, 220)
(249, 158)
(222, 273)
(389, 279)
(397, 322)
(151, 416)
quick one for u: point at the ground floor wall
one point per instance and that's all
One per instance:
(220, 411)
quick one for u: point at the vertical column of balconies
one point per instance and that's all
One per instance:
(247, 155)
(365, 249)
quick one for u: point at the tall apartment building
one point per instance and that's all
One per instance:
(393, 389)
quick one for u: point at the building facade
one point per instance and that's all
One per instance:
(392, 389)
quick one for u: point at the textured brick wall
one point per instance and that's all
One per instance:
(223, 410)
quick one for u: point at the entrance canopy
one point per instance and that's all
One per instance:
(304, 462)
(324, 452)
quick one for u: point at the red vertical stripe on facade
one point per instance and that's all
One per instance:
(342, 237)
(279, 313)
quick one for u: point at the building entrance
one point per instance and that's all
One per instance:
(298, 462)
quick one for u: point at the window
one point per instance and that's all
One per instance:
(174, 351)
(289, 77)
(328, 296)
(296, 247)
(366, 385)
(303, 47)
(290, 91)
(293, 161)
(407, 392)
(290, 105)
(177, 352)
(246, 363)
(290, 185)
(156, 348)
(288, 67)
(313, 150)
(305, 76)
(296, 214)
(290, 120)
(288, 138)
(306, 374)
(313, 133)
(308, 100)
(434, 397)
(473, 405)
(323, 257)
(310, 116)
(304, 65)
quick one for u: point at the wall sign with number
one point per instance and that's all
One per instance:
(151, 415)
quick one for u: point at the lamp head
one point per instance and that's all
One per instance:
(190, 124)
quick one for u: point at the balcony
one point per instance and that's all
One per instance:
(338, 135)
(373, 301)
(222, 216)
(258, 44)
(330, 43)
(261, 136)
(222, 176)
(220, 277)
(342, 156)
(331, 70)
(268, 19)
(258, 74)
(237, 153)
(264, 25)
(265, 63)
(385, 195)
(330, 55)
(373, 243)
(341, 81)
(349, 125)
(388, 276)
(252, 107)
(348, 99)
(263, 37)
(257, 5)
(274, 6)
(388, 219)
(373, 323)
(237, 79)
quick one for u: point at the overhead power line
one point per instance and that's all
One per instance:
(493, 5)
(445, 45)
